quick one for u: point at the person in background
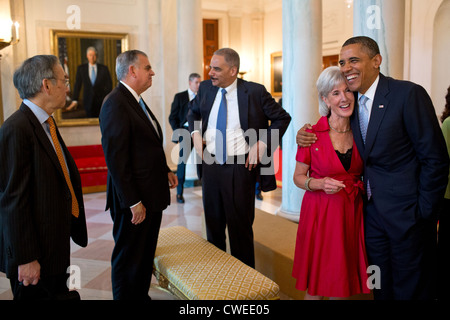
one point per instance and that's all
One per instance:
(330, 256)
(228, 108)
(138, 176)
(444, 215)
(41, 200)
(405, 172)
(178, 121)
(96, 82)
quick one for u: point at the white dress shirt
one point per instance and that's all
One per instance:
(138, 97)
(370, 94)
(236, 144)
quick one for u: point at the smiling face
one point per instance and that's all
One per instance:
(340, 100)
(221, 74)
(358, 67)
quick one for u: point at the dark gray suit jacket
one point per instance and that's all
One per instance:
(36, 222)
(178, 113)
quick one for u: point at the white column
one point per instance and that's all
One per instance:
(190, 56)
(383, 21)
(190, 40)
(302, 63)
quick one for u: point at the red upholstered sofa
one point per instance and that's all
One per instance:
(91, 164)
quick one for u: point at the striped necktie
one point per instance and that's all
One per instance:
(363, 124)
(363, 116)
(62, 162)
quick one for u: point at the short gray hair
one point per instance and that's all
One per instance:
(328, 79)
(29, 76)
(231, 57)
(91, 49)
(194, 76)
(125, 60)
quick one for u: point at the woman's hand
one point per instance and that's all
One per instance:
(331, 186)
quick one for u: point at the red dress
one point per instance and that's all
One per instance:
(330, 256)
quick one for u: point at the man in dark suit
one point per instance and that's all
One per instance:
(41, 202)
(96, 82)
(138, 176)
(405, 172)
(178, 122)
(242, 111)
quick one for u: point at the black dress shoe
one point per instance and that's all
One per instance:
(180, 198)
(259, 196)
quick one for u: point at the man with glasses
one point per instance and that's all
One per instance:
(41, 201)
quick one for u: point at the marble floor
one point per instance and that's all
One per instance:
(94, 260)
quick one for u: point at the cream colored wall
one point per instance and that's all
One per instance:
(440, 80)
(420, 68)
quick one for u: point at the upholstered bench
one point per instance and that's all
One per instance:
(91, 164)
(194, 269)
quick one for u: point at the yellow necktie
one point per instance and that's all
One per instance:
(51, 123)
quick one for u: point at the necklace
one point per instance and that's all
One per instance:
(345, 131)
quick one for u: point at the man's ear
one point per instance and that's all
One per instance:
(45, 88)
(234, 71)
(377, 61)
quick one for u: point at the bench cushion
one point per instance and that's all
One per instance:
(194, 269)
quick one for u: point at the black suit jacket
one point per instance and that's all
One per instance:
(36, 222)
(178, 113)
(256, 109)
(93, 95)
(405, 156)
(137, 167)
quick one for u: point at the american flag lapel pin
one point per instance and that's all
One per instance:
(381, 106)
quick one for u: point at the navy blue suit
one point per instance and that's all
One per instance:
(229, 189)
(406, 164)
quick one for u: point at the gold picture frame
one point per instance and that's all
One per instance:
(276, 62)
(70, 47)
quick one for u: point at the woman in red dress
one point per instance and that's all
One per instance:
(330, 257)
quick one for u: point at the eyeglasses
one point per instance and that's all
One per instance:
(65, 80)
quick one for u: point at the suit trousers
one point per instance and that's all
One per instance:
(185, 151)
(407, 260)
(133, 254)
(229, 201)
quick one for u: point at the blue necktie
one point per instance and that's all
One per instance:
(363, 124)
(142, 104)
(92, 75)
(222, 127)
(363, 116)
